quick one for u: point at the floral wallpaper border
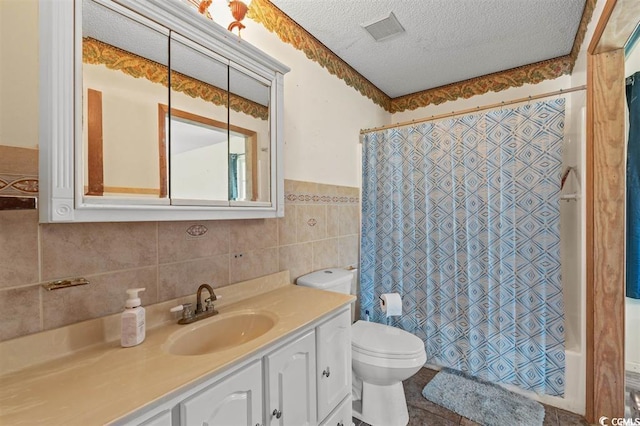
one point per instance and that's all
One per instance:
(276, 21)
(99, 53)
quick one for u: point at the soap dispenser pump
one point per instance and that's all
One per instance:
(132, 320)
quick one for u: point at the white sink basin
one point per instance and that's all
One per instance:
(220, 332)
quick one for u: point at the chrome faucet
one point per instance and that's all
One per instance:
(189, 316)
(208, 301)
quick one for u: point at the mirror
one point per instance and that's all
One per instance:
(124, 74)
(150, 111)
(212, 145)
(250, 142)
(198, 125)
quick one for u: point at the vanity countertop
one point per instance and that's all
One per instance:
(106, 382)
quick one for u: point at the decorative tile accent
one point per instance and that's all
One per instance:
(197, 230)
(276, 21)
(320, 199)
(307, 214)
(176, 245)
(99, 53)
(18, 185)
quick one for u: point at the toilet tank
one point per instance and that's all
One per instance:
(333, 279)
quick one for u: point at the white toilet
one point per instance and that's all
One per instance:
(382, 357)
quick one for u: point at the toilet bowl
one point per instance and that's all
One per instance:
(382, 357)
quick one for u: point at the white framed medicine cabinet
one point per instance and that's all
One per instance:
(150, 111)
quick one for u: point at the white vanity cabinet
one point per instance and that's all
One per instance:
(282, 385)
(291, 383)
(236, 400)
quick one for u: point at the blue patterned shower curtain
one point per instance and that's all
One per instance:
(633, 188)
(462, 218)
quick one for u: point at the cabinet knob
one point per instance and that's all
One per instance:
(277, 413)
(326, 372)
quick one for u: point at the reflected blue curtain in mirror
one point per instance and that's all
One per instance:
(633, 188)
(233, 176)
(462, 217)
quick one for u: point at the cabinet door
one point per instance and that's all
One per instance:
(341, 416)
(334, 362)
(236, 400)
(291, 383)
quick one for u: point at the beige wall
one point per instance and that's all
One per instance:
(19, 73)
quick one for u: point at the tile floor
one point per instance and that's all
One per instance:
(423, 412)
(632, 388)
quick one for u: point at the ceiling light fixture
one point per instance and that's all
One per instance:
(238, 11)
(385, 28)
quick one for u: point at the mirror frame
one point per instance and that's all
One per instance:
(60, 114)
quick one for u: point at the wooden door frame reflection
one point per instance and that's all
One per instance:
(252, 139)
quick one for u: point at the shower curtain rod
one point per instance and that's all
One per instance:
(467, 111)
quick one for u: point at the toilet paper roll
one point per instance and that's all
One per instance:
(391, 304)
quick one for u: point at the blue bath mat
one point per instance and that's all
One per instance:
(483, 402)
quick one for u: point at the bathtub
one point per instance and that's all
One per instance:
(575, 368)
(575, 382)
(575, 385)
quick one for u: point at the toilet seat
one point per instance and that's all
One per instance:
(383, 341)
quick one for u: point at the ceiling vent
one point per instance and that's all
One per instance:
(385, 28)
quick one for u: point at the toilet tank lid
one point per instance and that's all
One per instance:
(325, 278)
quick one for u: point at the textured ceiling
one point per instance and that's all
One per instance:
(446, 41)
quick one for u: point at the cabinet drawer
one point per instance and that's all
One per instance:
(161, 419)
(341, 416)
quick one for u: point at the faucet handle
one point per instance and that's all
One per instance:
(185, 308)
(209, 301)
(208, 304)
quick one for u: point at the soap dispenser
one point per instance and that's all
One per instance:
(132, 320)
